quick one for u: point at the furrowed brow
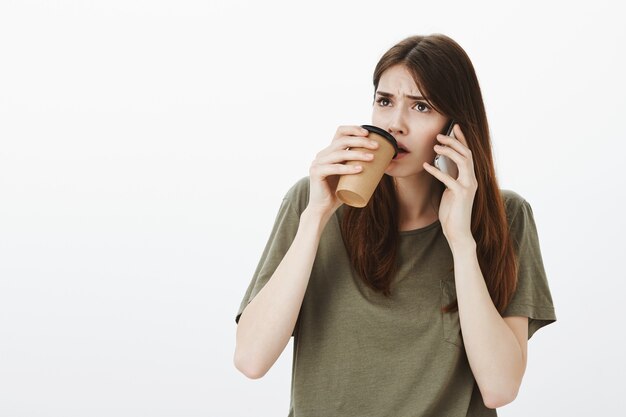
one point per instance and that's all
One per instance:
(385, 94)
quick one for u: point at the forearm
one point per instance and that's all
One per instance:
(267, 322)
(493, 352)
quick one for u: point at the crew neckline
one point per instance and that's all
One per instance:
(426, 228)
(339, 214)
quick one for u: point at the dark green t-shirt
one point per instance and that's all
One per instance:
(357, 353)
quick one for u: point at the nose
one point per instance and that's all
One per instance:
(397, 124)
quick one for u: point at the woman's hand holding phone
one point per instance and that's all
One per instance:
(455, 207)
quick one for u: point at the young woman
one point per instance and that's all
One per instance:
(420, 303)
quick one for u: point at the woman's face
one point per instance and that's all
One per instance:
(400, 109)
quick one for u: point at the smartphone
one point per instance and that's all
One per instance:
(442, 162)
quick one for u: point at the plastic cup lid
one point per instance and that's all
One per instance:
(384, 134)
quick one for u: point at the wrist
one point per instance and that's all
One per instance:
(461, 246)
(315, 218)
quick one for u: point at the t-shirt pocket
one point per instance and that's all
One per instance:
(451, 323)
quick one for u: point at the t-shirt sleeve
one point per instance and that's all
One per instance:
(532, 297)
(281, 237)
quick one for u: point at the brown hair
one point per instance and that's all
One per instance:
(446, 77)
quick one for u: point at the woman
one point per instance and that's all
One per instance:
(422, 302)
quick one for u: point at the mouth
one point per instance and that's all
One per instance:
(401, 151)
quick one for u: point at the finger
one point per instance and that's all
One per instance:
(454, 143)
(344, 155)
(458, 133)
(356, 142)
(347, 143)
(450, 153)
(351, 130)
(465, 165)
(441, 176)
(326, 170)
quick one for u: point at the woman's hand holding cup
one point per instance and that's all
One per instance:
(328, 166)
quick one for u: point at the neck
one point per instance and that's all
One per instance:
(418, 199)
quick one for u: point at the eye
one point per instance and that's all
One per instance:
(380, 100)
(423, 105)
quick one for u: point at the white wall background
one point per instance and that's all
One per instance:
(145, 147)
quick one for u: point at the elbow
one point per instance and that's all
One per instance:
(497, 399)
(251, 373)
(245, 367)
(501, 392)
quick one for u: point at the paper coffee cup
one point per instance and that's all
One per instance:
(356, 189)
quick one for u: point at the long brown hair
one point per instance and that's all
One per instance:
(446, 77)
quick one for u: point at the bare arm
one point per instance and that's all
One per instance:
(495, 351)
(267, 322)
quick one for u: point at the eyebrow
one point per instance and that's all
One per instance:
(385, 94)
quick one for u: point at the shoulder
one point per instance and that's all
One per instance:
(514, 203)
(298, 194)
(520, 217)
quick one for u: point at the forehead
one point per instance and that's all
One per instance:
(398, 80)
